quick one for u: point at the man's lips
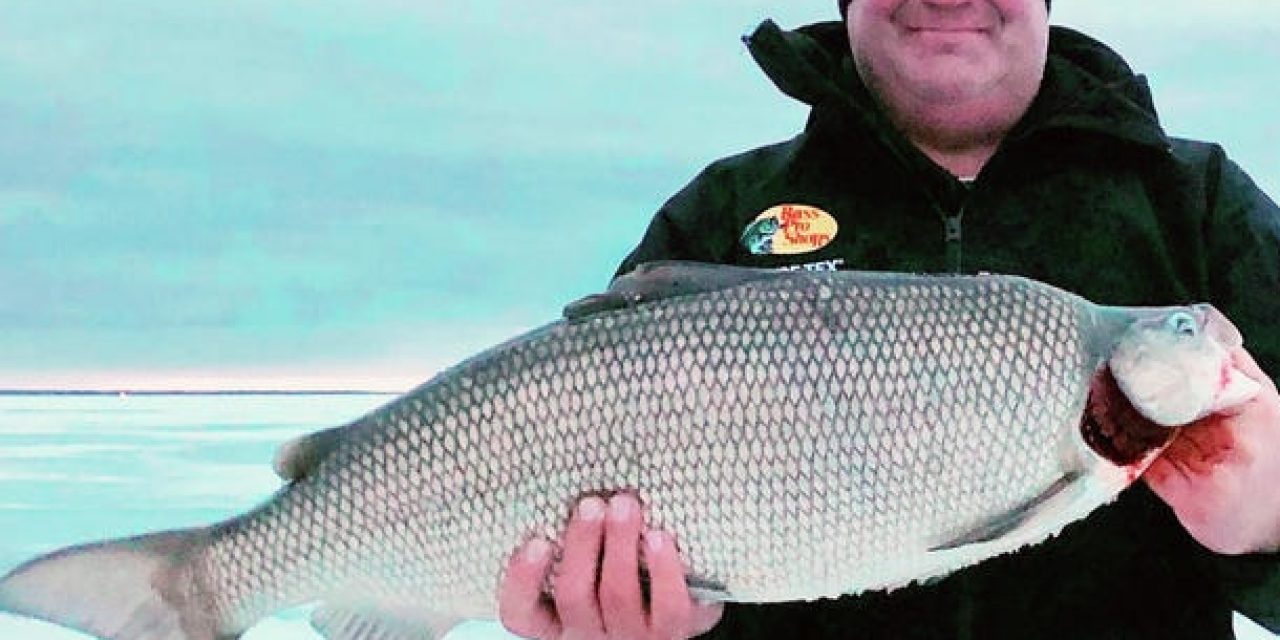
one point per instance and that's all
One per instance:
(942, 35)
(946, 29)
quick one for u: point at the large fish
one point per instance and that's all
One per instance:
(804, 435)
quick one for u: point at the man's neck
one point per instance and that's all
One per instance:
(965, 162)
(962, 146)
(961, 137)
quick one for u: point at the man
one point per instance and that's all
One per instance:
(942, 125)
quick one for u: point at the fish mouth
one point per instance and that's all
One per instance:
(1115, 429)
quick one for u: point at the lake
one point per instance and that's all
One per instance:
(75, 468)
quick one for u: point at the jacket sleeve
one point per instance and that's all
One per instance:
(694, 224)
(1243, 238)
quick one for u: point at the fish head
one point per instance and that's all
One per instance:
(1174, 364)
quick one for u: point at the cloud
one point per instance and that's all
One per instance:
(248, 185)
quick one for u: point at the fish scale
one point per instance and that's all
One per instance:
(885, 440)
(802, 435)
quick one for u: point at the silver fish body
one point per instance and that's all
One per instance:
(803, 436)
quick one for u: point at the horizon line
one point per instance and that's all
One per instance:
(196, 392)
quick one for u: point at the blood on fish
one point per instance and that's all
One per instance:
(1114, 428)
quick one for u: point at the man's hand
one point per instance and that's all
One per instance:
(597, 586)
(1221, 475)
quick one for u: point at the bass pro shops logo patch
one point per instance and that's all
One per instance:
(789, 229)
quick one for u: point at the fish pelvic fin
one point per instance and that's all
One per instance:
(380, 622)
(141, 588)
(707, 590)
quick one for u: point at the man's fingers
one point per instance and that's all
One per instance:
(521, 606)
(670, 607)
(596, 585)
(621, 598)
(705, 616)
(574, 584)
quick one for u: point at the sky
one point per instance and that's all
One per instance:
(357, 193)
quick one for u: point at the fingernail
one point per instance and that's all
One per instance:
(620, 507)
(591, 509)
(537, 550)
(655, 540)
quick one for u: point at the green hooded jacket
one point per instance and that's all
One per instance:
(1087, 193)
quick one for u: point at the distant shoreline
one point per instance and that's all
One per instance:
(180, 392)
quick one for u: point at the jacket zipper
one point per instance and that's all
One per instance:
(953, 236)
(953, 228)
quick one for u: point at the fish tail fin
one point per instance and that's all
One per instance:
(129, 589)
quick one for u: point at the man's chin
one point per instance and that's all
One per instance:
(954, 89)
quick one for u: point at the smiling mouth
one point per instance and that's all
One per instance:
(947, 30)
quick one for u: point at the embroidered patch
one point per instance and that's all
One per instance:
(789, 229)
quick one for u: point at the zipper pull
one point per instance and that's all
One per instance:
(953, 237)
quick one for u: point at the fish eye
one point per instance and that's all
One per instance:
(1182, 324)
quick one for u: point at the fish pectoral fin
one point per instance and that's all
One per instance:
(300, 456)
(665, 279)
(1007, 523)
(380, 622)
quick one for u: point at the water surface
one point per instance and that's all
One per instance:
(76, 468)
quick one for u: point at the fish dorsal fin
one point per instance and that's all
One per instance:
(665, 279)
(300, 456)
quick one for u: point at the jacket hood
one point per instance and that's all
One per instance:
(1087, 86)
